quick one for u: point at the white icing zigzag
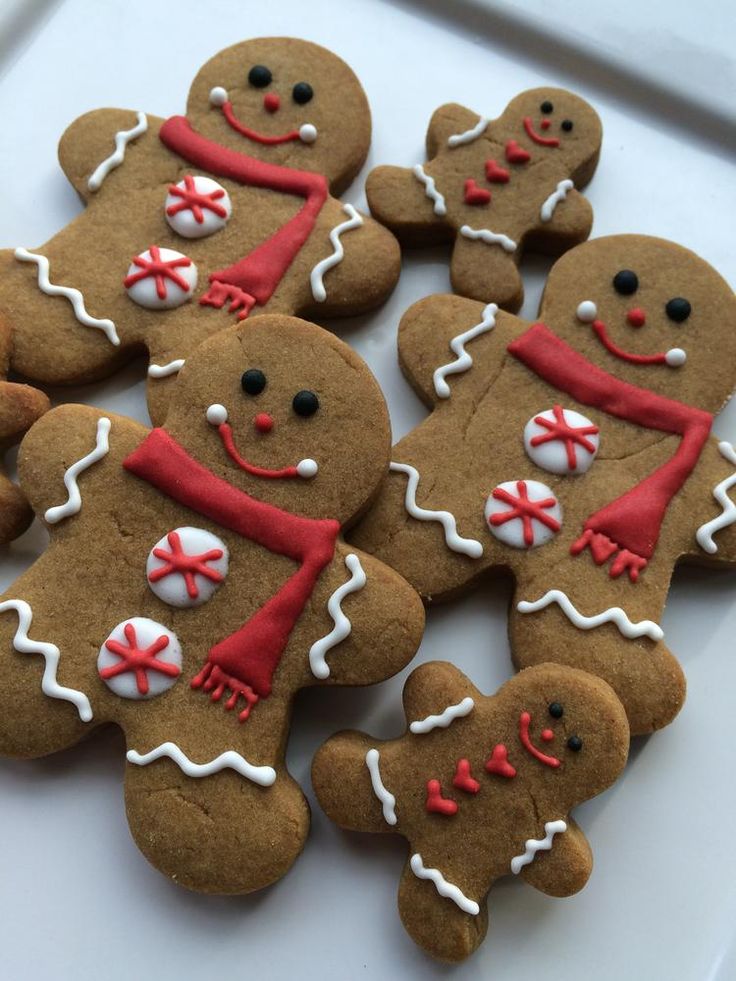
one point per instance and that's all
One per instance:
(164, 370)
(614, 615)
(469, 135)
(534, 845)
(387, 799)
(263, 775)
(342, 628)
(74, 296)
(122, 139)
(705, 533)
(559, 194)
(443, 720)
(489, 237)
(317, 274)
(443, 887)
(463, 360)
(73, 504)
(50, 652)
(467, 546)
(430, 189)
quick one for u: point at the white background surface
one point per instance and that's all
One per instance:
(77, 900)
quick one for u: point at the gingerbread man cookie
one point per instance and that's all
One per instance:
(493, 188)
(574, 454)
(195, 580)
(481, 788)
(193, 221)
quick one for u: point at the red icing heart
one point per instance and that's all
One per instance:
(463, 780)
(475, 194)
(516, 154)
(495, 173)
(436, 802)
(498, 762)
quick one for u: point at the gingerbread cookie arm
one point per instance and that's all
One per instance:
(565, 219)
(407, 201)
(563, 868)
(346, 776)
(435, 695)
(711, 502)
(455, 123)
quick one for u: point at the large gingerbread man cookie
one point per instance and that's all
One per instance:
(574, 454)
(195, 580)
(193, 221)
(494, 188)
(481, 788)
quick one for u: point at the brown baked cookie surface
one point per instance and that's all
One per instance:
(196, 580)
(494, 188)
(575, 454)
(481, 787)
(196, 221)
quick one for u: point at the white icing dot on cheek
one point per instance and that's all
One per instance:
(308, 133)
(216, 414)
(307, 468)
(675, 357)
(218, 96)
(586, 312)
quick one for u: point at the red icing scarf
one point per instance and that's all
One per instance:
(253, 278)
(632, 522)
(245, 661)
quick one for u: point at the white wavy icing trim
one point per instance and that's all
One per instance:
(164, 370)
(534, 845)
(319, 667)
(387, 799)
(463, 360)
(73, 503)
(704, 534)
(317, 274)
(122, 139)
(442, 721)
(430, 189)
(263, 775)
(559, 194)
(467, 546)
(491, 238)
(469, 135)
(50, 652)
(73, 295)
(614, 615)
(443, 887)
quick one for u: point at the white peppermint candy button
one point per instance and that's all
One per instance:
(197, 207)
(140, 659)
(561, 441)
(523, 513)
(160, 279)
(187, 566)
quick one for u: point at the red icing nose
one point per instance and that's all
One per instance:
(548, 735)
(271, 102)
(263, 422)
(636, 317)
(545, 124)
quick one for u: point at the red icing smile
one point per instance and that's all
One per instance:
(251, 134)
(600, 329)
(217, 416)
(533, 135)
(524, 722)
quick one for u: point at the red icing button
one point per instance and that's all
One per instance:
(498, 762)
(516, 154)
(436, 803)
(475, 194)
(495, 173)
(463, 780)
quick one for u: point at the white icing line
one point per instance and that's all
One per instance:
(387, 799)
(164, 370)
(317, 274)
(443, 887)
(122, 139)
(463, 360)
(469, 135)
(430, 189)
(319, 667)
(263, 775)
(443, 720)
(73, 503)
(704, 534)
(534, 845)
(50, 652)
(467, 546)
(614, 615)
(559, 194)
(74, 296)
(489, 237)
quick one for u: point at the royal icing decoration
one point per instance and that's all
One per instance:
(187, 566)
(73, 504)
(263, 775)
(50, 652)
(316, 276)
(534, 845)
(140, 659)
(317, 663)
(197, 207)
(466, 546)
(443, 887)
(475, 195)
(219, 99)
(217, 416)
(430, 189)
(443, 720)
(463, 361)
(388, 801)
(559, 194)
(74, 296)
(165, 370)
(489, 237)
(704, 534)
(458, 139)
(614, 615)
(160, 279)
(523, 513)
(561, 441)
(436, 803)
(587, 313)
(463, 779)
(122, 139)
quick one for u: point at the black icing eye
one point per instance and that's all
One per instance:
(546, 107)
(302, 93)
(253, 381)
(626, 282)
(566, 124)
(556, 710)
(678, 309)
(575, 743)
(259, 76)
(305, 403)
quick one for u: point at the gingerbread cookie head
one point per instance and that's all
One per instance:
(284, 101)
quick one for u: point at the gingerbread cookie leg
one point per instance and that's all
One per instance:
(565, 219)
(564, 869)
(483, 267)
(20, 406)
